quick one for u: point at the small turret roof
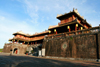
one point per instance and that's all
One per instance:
(75, 11)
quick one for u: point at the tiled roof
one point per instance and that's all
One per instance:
(20, 32)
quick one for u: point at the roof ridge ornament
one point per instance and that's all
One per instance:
(21, 32)
(58, 15)
(76, 11)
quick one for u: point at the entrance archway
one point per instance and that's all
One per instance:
(15, 51)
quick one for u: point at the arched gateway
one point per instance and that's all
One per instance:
(15, 51)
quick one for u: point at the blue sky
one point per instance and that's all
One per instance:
(32, 16)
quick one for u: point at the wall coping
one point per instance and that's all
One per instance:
(83, 59)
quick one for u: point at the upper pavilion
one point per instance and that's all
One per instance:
(71, 21)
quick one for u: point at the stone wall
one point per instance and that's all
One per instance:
(21, 48)
(77, 46)
(6, 48)
(35, 48)
(86, 46)
(99, 44)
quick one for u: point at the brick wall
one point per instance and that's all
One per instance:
(86, 46)
(78, 46)
(99, 44)
(21, 48)
(6, 48)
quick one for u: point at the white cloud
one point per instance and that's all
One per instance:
(9, 26)
(54, 7)
(42, 12)
(2, 18)
(83, 1)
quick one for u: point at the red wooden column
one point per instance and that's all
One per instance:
(68, 27)
(55, 31)
(79, 29)
(24, 42)
(33, 43)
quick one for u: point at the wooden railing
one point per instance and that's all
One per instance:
(23, 44)
(37, 38)
(29, 39)
(70, 19)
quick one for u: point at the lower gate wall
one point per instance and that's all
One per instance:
(77, 46)
(20, 47)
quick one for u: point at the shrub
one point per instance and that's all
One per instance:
(1, 50)
(26, 52)
(32, 51)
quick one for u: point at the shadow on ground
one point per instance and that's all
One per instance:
(26, 61)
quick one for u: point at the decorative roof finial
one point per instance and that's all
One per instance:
(73, 9)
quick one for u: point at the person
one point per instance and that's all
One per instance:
(10, 52)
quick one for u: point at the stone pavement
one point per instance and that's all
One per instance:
(30, 61)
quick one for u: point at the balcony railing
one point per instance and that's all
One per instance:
(34, 45)
(29, 39)
(67, 20)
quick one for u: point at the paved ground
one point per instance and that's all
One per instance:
(29, 61)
